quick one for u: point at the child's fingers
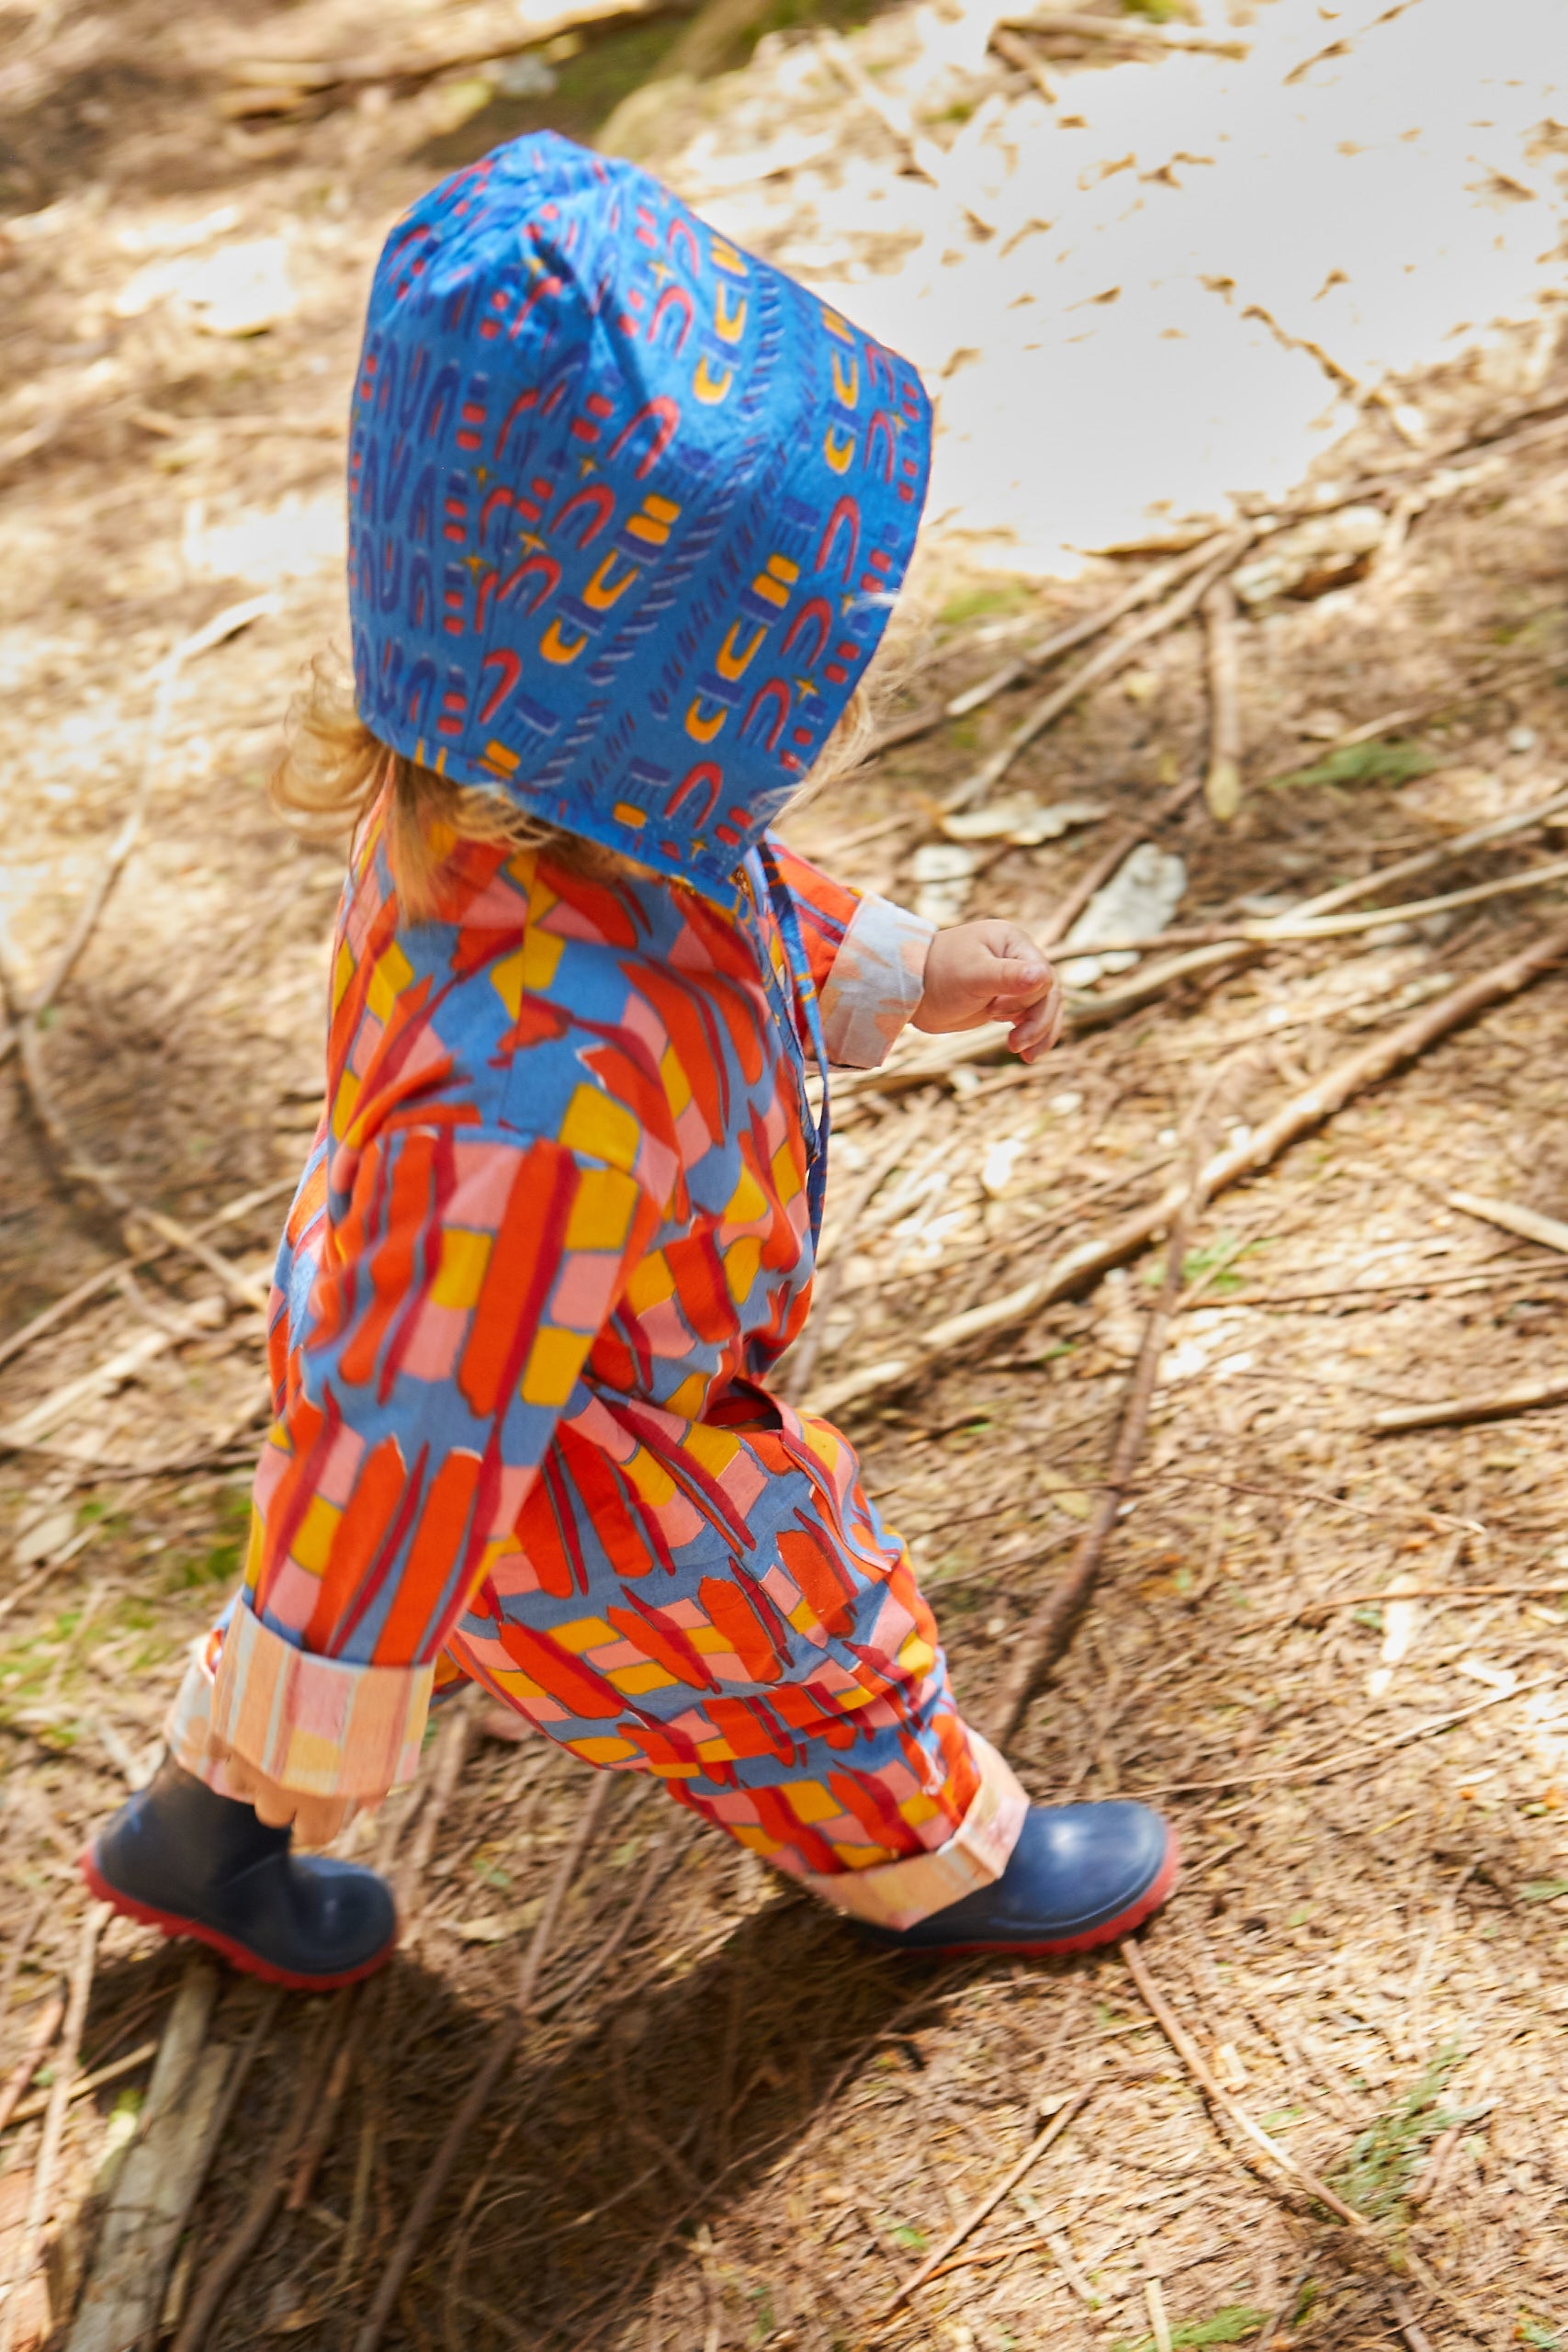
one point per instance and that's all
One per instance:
(1040, 1027)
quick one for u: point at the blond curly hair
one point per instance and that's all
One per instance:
(334, 770)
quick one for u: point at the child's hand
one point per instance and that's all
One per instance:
(315, 1821)
(992, 971)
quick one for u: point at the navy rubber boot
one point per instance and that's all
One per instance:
(1080, 1875)
(181, 1858)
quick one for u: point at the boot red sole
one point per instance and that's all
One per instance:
(1109, 1931)
(177, 1929)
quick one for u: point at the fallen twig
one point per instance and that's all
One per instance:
(320, 2131)
(1099, 666)
(923, 155)
(41, 2199)
(1528, 1223)
(1040, 1642)
(1222, 784)
(20, 1944)
(50, 1317)
(1306, 1610)
(1405, 2320)
(1459, 1412)
(492, 2067)
(1082, 1266)
(281, 85)
(1073, 2106)
(1354, 1758)
(1065, 912)
(1126, 32)
(31, 2059)
(446, 1770)
(216, 631)
(1018, 52)
(268, 2188)
(1157, 581)
(84, 2085)
(1192, 2057)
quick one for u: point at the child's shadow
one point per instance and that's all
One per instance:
(666, 2109)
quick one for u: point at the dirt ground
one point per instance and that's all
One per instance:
(730, 2126)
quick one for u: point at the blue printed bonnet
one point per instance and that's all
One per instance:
(627, 507)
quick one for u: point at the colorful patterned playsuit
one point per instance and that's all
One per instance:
(627, 511)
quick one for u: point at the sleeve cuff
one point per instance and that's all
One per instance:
(877, 982)
(312, 1723)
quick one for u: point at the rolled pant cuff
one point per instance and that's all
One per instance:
(899, 1895)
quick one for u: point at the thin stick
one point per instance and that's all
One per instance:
(41, 2201)
(1354, 1758)
(1285, 928)
(1043, 1640)
(320, 2131)
(1222, 784)
(1266, 2340)
(1125, 32)
(1405, 2320)
(923, 155)
(1192, 2057)
(451, 1754)
(1305, 1112)
(222, 626)
(1099, 667)
(75, 1164)
(221, 2273)
(85, 1291)
(1459, 1412)
(31, 2059)
(992, 2199)
(1018, 52)
(1550, 1231)
(20, 1944)
(497, 2058)
(1309, 1608)
(1151, 583)
(1347, 893)
(83, 2087)
(1063, 916)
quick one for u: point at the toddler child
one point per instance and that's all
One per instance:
(629, 509)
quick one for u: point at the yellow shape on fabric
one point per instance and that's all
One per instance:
(745, 1834)
(740, 1266)
(716, 1751)
(677, 1086)
(715, 1449)
(311, 1547)
(461, 1275)
(554, 1361)
(626, 812)
(255, 1550)
(603, 1748)
(311, 1757)
(531, 967)
(688, 1399)
(861, 1857)
(515, 1685)
(632, 1681)
(809, 1801)
(650, 1478)
(919, 1809)
(584, 1634)
(343, 973)
(345, 1095)
(917, 1656)
(747, 1202)
(601, 1211)
(706, 1639)
(391, 976)
(649, 1284)
(600, 1129)
(786, 1176)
